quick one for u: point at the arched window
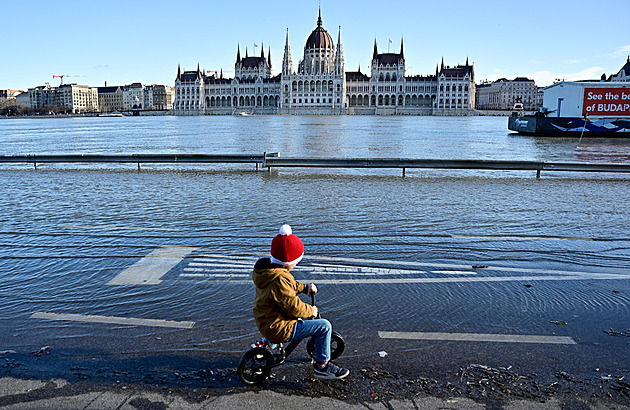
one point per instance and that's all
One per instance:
(387, 77)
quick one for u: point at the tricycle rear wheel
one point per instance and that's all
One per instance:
(337, 345)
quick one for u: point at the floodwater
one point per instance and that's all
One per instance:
(435, 251)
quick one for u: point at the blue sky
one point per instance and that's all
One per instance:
(143, 41)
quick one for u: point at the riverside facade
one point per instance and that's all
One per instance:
(321, 85)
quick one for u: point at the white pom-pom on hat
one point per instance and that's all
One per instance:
(286, 230)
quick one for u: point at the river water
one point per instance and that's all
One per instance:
(66, 230)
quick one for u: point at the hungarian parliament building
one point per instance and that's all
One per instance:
(321, 85)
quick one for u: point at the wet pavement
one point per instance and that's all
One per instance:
(129, 360)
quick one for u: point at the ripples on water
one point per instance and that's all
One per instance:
(51, 260)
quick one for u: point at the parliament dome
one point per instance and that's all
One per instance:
(319, 38)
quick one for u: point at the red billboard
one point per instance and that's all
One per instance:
(614, 102)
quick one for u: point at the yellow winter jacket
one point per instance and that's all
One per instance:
(277, 305)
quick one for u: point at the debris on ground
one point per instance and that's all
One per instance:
(613, 332)
(44, 350)
(382, 353)
(483, 381)
(480, 266)
(559, 322)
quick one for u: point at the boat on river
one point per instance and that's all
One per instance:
(581, 108)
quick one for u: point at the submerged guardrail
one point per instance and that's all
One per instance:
(273, 160)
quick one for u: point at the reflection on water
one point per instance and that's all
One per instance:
(603, 150)
(55, 258)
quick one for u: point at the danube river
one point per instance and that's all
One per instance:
(476, 252)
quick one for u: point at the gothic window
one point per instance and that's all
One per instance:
(394, 77)
(380, 77)
(387, 77)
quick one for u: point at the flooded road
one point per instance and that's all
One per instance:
(110, 264)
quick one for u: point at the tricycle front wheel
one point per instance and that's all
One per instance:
(255, 366)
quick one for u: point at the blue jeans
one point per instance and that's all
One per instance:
(318, 329)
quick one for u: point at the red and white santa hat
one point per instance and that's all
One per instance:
(286, 248)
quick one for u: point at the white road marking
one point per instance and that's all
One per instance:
(223, 262)
(133, 228)
(478, 337)
(113, 319)
(443, 265)
(454, 272)
(393, 281)
(252, 259)
(215, 275)
(216, 270)
(221, 266)
(149, 270)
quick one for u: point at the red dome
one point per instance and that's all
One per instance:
(320, 38)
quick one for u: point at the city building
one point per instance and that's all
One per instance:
(163, 97)
(42, 96)
(8, 94)
(22, 100)
(319, 84)
(110, 98)
(503, 94)
(133, 96)
(78, 98)
(623, 75)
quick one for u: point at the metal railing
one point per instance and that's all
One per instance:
(273, 160)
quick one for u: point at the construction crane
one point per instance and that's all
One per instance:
(65, 75)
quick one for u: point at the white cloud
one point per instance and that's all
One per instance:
(622, 51)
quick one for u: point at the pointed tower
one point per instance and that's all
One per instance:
(340, 64)
(402, 52)
(319, 19)
(269, 57)
(375, 53)
(238, 54)
(287, 62)
(179, 73)
(262, 50)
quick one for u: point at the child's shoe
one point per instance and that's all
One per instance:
(330, 371)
